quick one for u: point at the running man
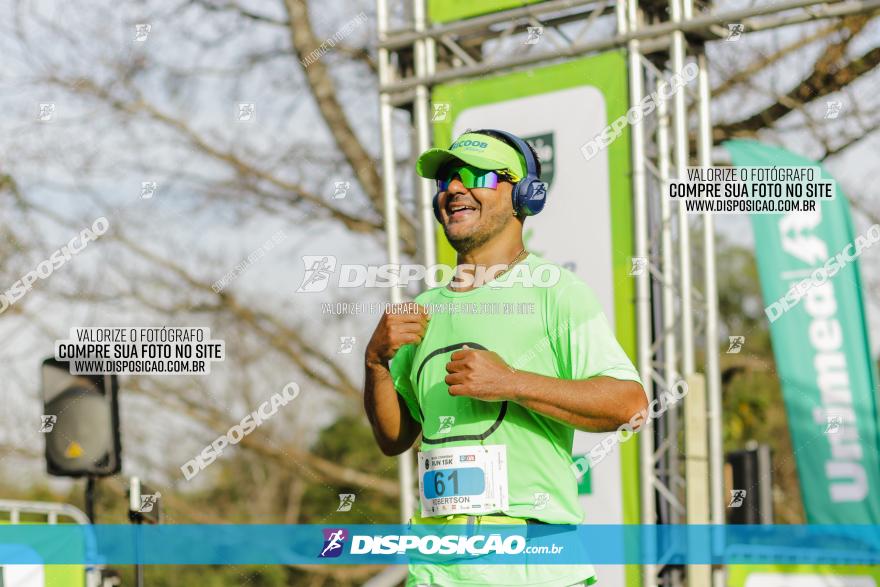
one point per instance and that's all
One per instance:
(502, 392)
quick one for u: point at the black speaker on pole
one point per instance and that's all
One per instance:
(80, 421)
(751, 498)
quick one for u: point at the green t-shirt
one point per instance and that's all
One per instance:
(559, 331)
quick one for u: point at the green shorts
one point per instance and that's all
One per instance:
(474, 575)
(500, 575)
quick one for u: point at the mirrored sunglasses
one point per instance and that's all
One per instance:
(471, 177)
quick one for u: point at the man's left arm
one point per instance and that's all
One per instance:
(598, 388)
(597, 404)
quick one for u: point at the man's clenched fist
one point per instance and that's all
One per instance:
(401, 324)
(480, 374)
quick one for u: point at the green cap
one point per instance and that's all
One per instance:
(475, 149)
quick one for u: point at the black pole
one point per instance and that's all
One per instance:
(90, 498)
(138, 568)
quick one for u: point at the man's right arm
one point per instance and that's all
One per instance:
(393, 426)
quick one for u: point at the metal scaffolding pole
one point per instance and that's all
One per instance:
(627, 22)
(677, 58)
(713, 375)
(670, 354)
(667, 272)
(405, 465)
(424, 65)
(696, 428)
(706, 25)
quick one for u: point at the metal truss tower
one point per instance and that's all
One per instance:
(681, 454)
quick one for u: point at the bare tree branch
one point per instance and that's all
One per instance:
(286, 455)
(745, 73)
(141, 106)
(825, 79)
(304, 41)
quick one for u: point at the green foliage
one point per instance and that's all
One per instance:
(349, 442)
(209, 576)
(753, 406)
(739, 297)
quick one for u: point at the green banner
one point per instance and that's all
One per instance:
(821, 346)
(449, 10)
(802, 576)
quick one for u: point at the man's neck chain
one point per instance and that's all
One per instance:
(522, 255)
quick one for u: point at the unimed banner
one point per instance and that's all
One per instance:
(821, 346)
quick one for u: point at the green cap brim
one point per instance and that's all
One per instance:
(481, 151)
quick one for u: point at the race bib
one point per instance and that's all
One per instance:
(463, 480)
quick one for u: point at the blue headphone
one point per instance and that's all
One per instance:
(529, 194)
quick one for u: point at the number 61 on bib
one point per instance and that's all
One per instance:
(463, 480)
